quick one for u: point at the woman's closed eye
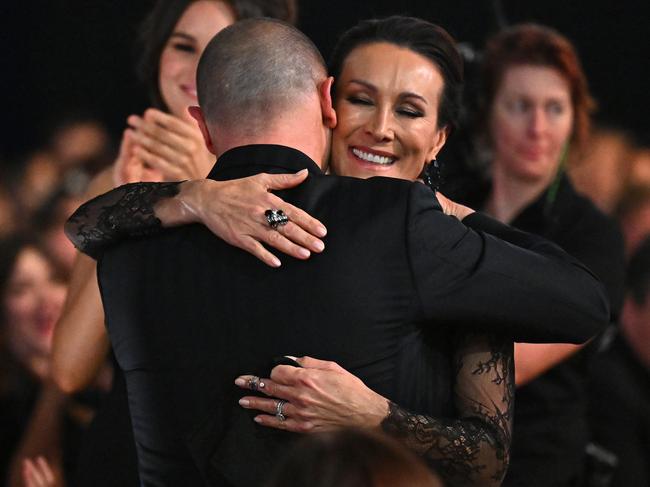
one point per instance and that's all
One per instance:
(359, 100)
(184, 47)
(409, 111)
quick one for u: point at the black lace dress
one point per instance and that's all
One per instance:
(468, 439)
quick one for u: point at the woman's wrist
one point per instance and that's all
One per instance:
(183, 208)
(377, 411)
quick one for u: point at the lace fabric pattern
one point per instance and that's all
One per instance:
(474, 448)
(124, 211)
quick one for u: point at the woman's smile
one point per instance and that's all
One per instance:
(387, 104)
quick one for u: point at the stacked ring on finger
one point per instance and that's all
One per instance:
(253, 383)
(276, 218)
(279, 413)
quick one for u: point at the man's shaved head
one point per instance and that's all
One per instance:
(254, 70)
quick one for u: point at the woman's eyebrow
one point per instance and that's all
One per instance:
(410, 94)
(368, 85)
(182, 35)
(405, 94)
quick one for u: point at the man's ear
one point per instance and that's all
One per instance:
(197, 115)
(327, 109)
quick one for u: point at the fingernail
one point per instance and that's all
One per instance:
(257, 419)
(276, 262)
(301, 172)
(318, 245)
(304, 253)
(244, 402)
(240, 382)
(322, 231)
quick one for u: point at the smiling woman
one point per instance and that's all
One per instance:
(397, 96)
(387, 113)
(180, 56)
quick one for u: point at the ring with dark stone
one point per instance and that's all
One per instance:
(276, 218)
(253, 383)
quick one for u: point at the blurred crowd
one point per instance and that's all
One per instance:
(41, 428)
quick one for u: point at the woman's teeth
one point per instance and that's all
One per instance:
(374, 158)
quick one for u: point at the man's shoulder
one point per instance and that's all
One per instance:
(377, 188)
(166, 244)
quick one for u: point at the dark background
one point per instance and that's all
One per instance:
(62, 57)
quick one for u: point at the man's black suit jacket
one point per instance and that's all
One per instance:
(187, 313)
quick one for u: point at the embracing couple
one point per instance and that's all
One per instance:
(418, 297)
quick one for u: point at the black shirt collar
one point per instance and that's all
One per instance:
(262, 158)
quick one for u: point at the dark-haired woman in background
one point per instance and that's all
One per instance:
(397, 96)
(164, 144)
(32, 413)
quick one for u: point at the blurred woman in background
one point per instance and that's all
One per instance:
(535, 110)
(34, 415)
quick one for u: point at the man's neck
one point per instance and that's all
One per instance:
(310, 139)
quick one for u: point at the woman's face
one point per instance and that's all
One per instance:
(180, 57)
(530, 122)
(32, 304)
(387, 101)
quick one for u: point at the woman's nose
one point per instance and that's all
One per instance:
(538, 123)
(380, 126)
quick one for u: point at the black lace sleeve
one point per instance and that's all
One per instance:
(127, 211)
(473, 449)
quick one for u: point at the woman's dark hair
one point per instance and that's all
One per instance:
(351, 458)
(536, 45)
(161, 20)
(429, 40)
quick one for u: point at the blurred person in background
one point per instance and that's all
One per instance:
(38, 178)
(8, 223)
(600, 169)
(620, 382)
(33, 413)
(82, 143)
(535, 109)
(640, 167)
(633, 213)
(48, 222)
(351, 458)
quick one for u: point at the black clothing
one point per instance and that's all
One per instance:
(620, 412)
(550, 415)
(107, 455)
(18, 393)
(394, 266)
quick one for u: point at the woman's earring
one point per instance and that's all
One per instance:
(431, 175)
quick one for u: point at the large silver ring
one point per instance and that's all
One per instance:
(276, 218)
(279, 413)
